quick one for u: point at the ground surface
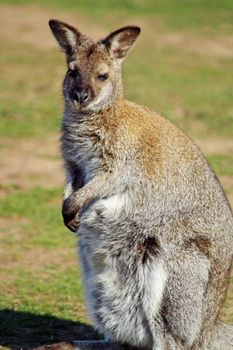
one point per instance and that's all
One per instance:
(180, 67)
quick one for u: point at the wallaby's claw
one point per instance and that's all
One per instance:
(73, 225)
(70, 215)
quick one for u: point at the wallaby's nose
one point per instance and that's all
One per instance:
(82, 96)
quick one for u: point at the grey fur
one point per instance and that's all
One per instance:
(156, 230)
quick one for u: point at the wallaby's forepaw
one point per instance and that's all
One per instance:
(73, 224)
(70, 213)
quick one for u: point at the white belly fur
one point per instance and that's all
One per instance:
(127, 316)
(110, 207)
(133, 312)
(114, 203)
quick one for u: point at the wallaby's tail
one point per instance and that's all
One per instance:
(221, 339)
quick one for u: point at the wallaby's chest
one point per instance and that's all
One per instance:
(83, 147)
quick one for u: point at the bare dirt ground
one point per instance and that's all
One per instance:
(29, 163)
(29, 25)
(219, 47)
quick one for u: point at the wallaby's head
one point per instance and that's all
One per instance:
(93, 78)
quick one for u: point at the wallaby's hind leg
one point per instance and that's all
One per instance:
(183, 305)
(224, 337)
(221, 338)
(215, 335)
(194, 294)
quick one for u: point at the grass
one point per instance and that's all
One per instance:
(222, 164)
(198, 15)
(186, 88)
(189, 82)
(41, 327)
(182, 87)
(42, 292)
(35, 107)
(41, 236)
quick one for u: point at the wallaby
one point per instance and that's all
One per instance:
(155, 228)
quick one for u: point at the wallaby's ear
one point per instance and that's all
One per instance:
(121, 41)
(68, 37)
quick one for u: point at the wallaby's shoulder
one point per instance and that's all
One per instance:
(153, 128)
(144, 119)
(163, 147)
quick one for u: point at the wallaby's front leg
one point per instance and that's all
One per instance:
(102, 185)
(67, 208)
(75, 180)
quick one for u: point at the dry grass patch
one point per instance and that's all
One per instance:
(30, 162)
(28, 24)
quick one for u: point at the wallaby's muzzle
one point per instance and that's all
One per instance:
(82, 96)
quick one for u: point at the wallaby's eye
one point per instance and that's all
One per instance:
(102, 77)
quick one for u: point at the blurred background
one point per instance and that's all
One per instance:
(181, 66)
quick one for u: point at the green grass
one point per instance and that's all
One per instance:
(45, 293)
(30, 100)
(34, 224)
(222, 164)
(187, 89)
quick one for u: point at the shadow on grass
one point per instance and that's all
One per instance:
(24, 330)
